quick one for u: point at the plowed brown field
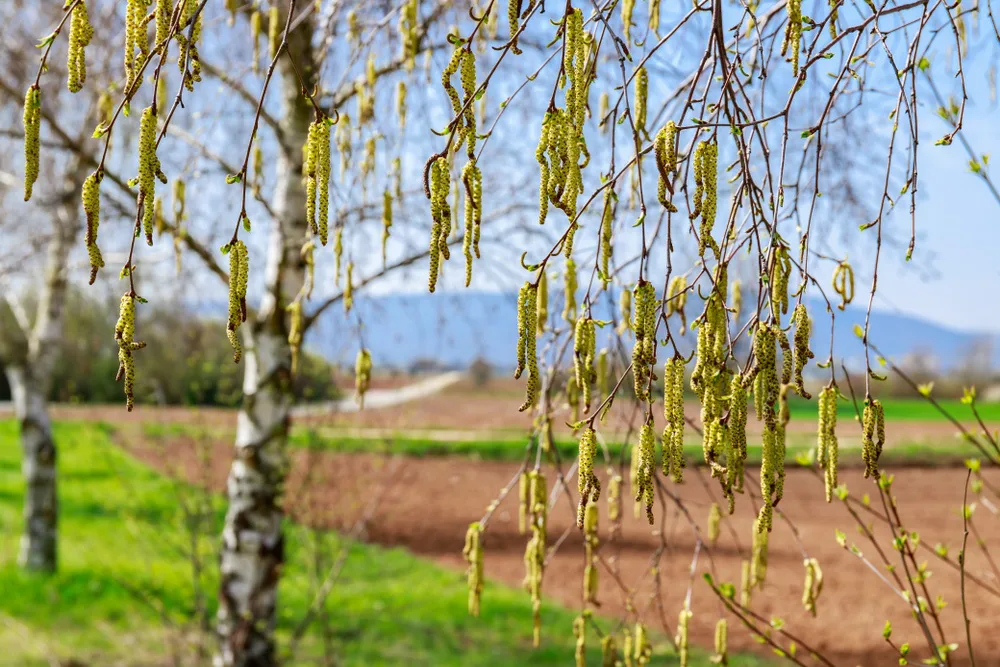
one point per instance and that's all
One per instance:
(429, 502)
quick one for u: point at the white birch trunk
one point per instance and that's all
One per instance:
(30, 377)
(38, 465)
(252, 538)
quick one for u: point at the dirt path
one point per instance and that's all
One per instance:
(431, 501)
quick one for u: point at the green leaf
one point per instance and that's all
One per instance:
(924, 64)
(925, 388)
(887, 630)
(246, 223)
(233, 178)
(858, 331)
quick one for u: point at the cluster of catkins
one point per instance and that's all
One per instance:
(317, 174)
(791, 44)
(527, 357)
(673, 415)
(584, 350)
(127, 345)
(534, 553)
(706, 196)
(813, 585)
(239, 270)
(644, 326)
(80, 34)
(561, 143)
(872, 435)
(826, 439)
(665, 152)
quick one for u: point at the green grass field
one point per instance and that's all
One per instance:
(125, 593)
(903, 409)
(501, 447)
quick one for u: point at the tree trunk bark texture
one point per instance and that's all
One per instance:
(38, 465)
(252, 539)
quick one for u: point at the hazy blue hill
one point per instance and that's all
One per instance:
(455, 328)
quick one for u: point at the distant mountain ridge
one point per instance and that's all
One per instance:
(455, 328)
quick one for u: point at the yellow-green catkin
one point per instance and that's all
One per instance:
(714, 519)
(472, 182)
(614, 498)
(80, 34)
(609, 651)
(588, 484)
(758, 558)
(409, 32)
(791, 44)
(362, 375)
(386, 222)
(273, 31)
(665, 152)
(721, 656)
(338, 254)
(441, 215)
(32, 119)
(349, 287)
(239, 269)
(535, 550)
(628, 6)
(641, 94)
(92, 209)
(813, 585)
(654, 16)
(317, 172)
(843, 284)
(607, 228)
(682, 640)
(746, 584)
(149, 166)
(187, 58)
(642, 650)
(706, 195)
(308, 259)
(127, 345)
(591, 543)
(737, 436)
(542, 304)
(527, 357)
(256, 20)
(800, 318)
(584, 351)
(401, 104)
(736, 292)
(644, 326)
(135, 38)
(295, 330)
(473, 552)
(673, 415)
(781, 269)
(827, 447)
(468, 76)
(569, 291)
(524, 502)
(164, 9)
(677, 299)
(872, 435)
(603, 374)
(514, 17)
(625, 310)
(580, 632)
(603, 104)
(643, 479)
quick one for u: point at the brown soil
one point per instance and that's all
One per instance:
(428, 503)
